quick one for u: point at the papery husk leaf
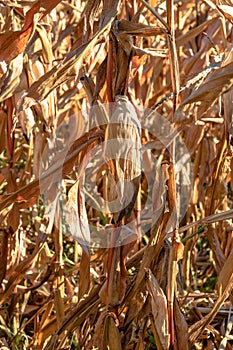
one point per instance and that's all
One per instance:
(122, 152)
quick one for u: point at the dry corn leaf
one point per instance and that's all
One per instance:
(192, 33)
(47, 52)
(47, 6)
(111, 339)
(159, 311)
(100, 78)
(14, 218)
(123, 57)
(158, 193)
(228, 109)
(171, 197)
(111, 62)
(43, 322)
(197, 61)
(194, 135)
(181, 328)
(59, 306)
(3, 255)
(113, 290)
(58, 75)
(47, 331)
(209, 220)
(26, 120)
(97, 340)
(76, 215)
(84, 274)
(32, 189)
(225, 276)
(109, 12)
(123, 27)
(13, 43)
(89, 14)
(11, 79)
(196, 330)
(226, 10)
(68, 68)
(3, 125)
(149, 51)
(217, 83)
(18, 274)
(79, 312)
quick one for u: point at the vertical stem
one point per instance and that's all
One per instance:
(10, 131)
(137, 213)
(172, 183)
(172, 268)
(110, 71)
(112, 255)
(173, 54)
(170, 293)
(58, 242)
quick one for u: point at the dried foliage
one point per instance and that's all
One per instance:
(166, 281)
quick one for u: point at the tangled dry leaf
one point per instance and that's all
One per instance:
(116, 224)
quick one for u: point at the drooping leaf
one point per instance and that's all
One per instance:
(217, 83)
(159, 311)
(68, 68)
(13, 43)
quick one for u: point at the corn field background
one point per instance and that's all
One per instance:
(75, 75)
